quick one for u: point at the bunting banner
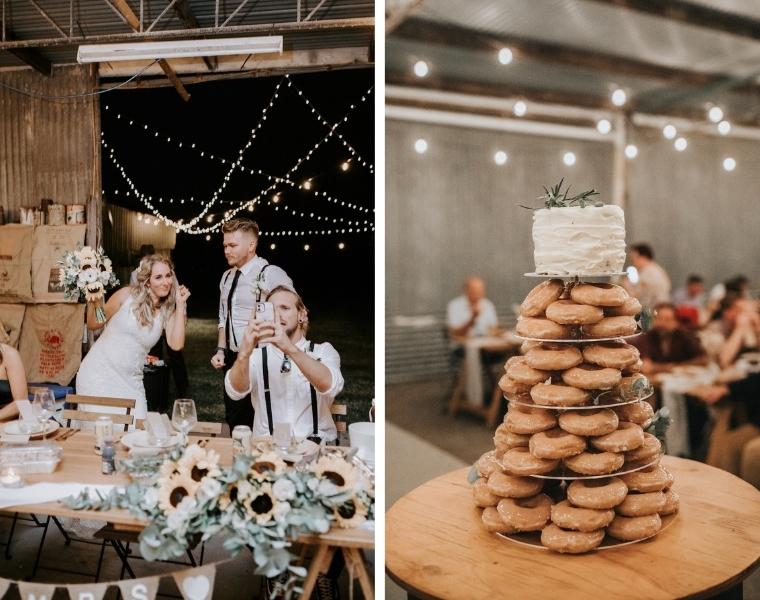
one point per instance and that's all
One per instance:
(87, 591)
(196, 584)
(4, 585)
(35, 591)
(139, 589)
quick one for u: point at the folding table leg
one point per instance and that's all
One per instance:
(39, 549)
(355, 564)
(319, 564)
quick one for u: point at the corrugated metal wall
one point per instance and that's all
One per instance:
(50, 148)
(452, 212)
(123, 234)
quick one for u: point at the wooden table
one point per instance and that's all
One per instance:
(437, 547)
(80, 464)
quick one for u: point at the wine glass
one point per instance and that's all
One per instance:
(44, 406)
(184, 416)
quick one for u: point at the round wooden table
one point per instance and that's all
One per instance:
(437, 547)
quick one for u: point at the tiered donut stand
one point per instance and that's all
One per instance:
(556, 481)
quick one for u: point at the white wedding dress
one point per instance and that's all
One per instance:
(113, 368)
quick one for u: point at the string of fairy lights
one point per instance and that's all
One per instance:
(618, 97)
(190, 226)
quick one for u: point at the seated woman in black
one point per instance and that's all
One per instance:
(12, 382)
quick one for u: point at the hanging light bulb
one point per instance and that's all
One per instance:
(272, 246)
(344, 166)
(715, 114)
(680, 144)
(603, 126)
(505, 56)
(669, 131)
(569, 159)
(729, 164)
(421, 146)
(307, 184)
(619, 97)
(724, 127)
(421, 68)
(500, 158)
(341, 246)
(520, 108)
(306, 247)
(631, 151)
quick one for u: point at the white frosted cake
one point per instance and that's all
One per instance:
(574, 240)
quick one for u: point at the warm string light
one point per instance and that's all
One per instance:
(324, 122)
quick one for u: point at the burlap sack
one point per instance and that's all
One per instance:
(11, 318)
(50, 242)
(16, 263)
(51, 342)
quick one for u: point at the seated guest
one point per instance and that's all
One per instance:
(471, 314)
(668, 344)
(738, 323)
(12, 382)
(690, 302)
(737, 285)
(290, 379)
(653, 285)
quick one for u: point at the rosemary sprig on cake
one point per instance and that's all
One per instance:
(554, 197)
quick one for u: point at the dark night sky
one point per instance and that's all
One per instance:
(219, 118)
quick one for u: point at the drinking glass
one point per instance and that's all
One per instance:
(44, 406)
(184, 416)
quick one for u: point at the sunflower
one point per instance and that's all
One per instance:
(351, 513)
(261, 504)
(228, 497)
(266, 464)
(199, 463)
(337, 471)
(172, 490)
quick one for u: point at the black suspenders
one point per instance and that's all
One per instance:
(268, 396)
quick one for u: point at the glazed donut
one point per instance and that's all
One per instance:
(509, 486)
(634, 368)
(493, 521)
(482, 495)
(567, 516)
(542, 329)
(645, 453)
(597, 493)
(672, 501)
(629, 389)
(504, 439)
(640, 413)
(640, 505)
(555, 443)
(652, 479)
(594, 463)
(570, 542)
(589, 422)
(521, 373)
(527, 346)
(591, 377)
(599, 294)
(525, 420)
(553, 357)
(541, 296)
(526, 514)
(630, 308)
(520, 461)
(567, 312)
(511, 388)
(628, 436)
(610, 327)
(630, 529)
(488, 463)
(615, 355)
(549, 394)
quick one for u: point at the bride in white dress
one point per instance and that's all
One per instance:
(135, 318)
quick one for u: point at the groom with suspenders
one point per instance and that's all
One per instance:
(249, 280)
(287, 378)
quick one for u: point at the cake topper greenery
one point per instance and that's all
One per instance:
(554, 197)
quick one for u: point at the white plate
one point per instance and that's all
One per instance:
(140, 439)
(12, 428)
(303, 449)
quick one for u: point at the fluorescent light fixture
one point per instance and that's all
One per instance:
(179, 49)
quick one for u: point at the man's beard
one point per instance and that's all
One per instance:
(291, 330)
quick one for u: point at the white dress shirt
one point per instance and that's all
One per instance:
(291, 392)
(459, 313)
(244, 297)
(653, 286)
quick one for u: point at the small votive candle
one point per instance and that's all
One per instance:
(10, 477)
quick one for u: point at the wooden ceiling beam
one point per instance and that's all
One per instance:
(31, 57)
(428, 32)
(690, 13)
(134, 22)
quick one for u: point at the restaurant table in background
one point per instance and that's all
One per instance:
(437, 547)
(470, 383)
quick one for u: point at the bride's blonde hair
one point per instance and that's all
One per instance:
(143, 305)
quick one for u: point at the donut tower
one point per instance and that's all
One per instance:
(573, 468)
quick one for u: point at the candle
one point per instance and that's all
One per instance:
(10, 477)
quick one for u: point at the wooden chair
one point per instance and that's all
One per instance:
(341, 426)
(73, 413)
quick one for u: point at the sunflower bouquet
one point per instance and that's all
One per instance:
(259, 503)
(86, 274)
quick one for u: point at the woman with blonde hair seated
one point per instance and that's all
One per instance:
(135, 318)
(12, 382)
